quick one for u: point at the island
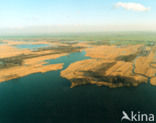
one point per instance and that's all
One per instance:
(114, 66)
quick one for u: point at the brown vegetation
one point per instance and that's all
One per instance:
(114, 66)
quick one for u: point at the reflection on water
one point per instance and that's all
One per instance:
(47, 98)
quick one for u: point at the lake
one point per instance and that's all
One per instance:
(31, 46)
(48, 98)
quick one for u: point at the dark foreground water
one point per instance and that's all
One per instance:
(47, 98)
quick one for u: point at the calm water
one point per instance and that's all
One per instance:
(31, 46)
(47, 98)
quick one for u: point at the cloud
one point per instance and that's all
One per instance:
(132, 6)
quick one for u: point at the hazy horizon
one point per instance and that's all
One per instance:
(45, 16)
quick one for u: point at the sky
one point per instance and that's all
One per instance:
(77, 15)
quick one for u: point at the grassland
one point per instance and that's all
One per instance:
(116, 59)
(92, 36)
(16, 62)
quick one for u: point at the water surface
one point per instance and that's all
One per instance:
(48, 98)
(31, 46)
